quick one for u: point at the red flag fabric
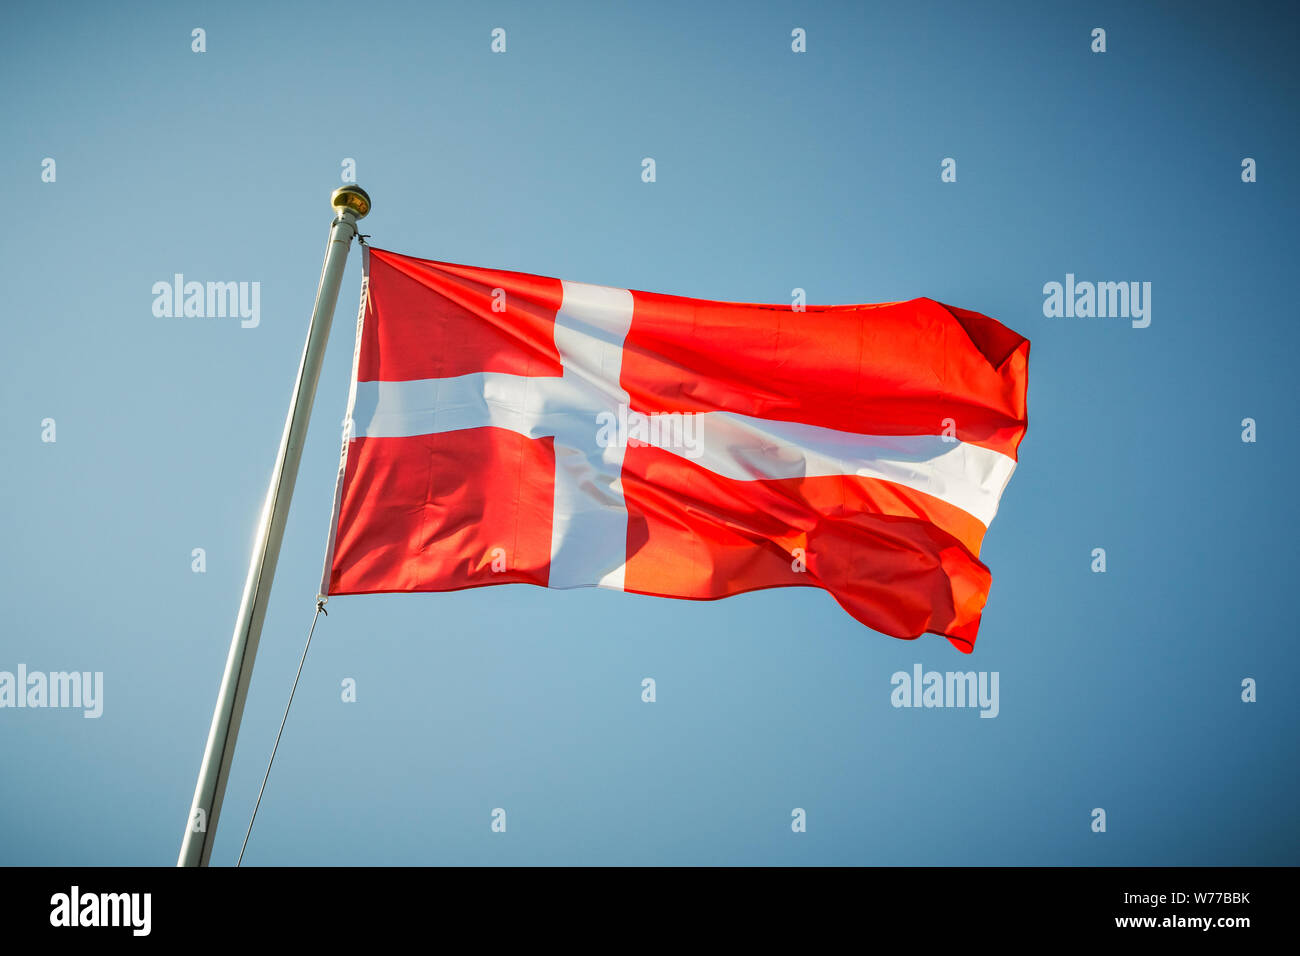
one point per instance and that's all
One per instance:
(511, 428)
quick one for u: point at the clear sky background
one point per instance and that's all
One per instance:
(775, 170)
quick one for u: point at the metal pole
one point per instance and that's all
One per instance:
(350, 203)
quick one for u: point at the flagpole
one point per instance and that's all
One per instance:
(350, 204)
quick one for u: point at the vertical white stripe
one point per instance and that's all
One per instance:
(589, 523)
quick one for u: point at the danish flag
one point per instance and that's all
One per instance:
(511, 428)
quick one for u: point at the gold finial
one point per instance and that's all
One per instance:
(351, 197)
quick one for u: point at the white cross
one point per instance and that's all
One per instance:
(589, 522)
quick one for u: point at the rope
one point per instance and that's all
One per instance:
(320, 609)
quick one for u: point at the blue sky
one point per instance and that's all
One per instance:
(775, 170)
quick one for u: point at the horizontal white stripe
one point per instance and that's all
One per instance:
(736, 446)
(968, 476)
(432, 405)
